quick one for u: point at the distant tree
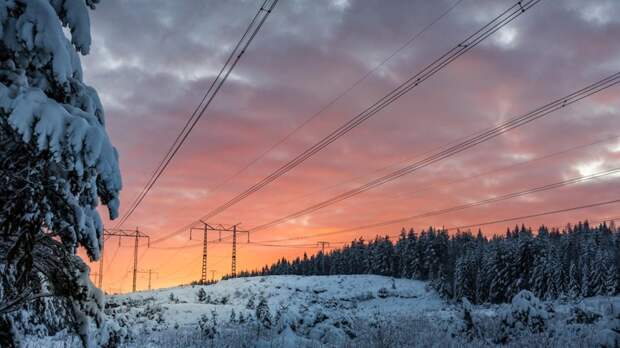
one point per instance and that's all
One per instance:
(465, 277)
(574, 281)
(577, 261)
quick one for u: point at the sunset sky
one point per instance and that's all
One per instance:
(152, 60)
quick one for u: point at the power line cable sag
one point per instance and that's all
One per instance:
(452, 182)
(232, 60)
(458, 207)
(437, 65)
(473, 40)
(551, 212)
(477, 139)
(337, 98)
(429, 187)
(329, 104)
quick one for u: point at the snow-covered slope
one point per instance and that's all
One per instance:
(350, 311)
(359, 311)
(327, 309)
(357, 294)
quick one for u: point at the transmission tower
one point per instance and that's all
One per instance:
(219, 228)
(233, 269)
(150, 273)
(212, 274)
(322, 244)
(136, 235)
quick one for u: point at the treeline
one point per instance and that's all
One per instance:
(577, 261)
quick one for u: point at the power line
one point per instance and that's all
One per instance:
(305, 246)
(395, 94)
(551, 212)
(458, 207)
(324, 108)
(427, 188)
(452, 182)
(232, 60)
(437, 65)
(472, 141)
(337, 98)
(523, 217)
(486, 223)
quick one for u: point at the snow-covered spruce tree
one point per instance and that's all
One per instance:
(57, 160)
(263, 316)
(201, 295)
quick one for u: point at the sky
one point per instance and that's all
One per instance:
(151, 61)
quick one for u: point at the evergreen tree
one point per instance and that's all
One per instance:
(201, 295)
(574, 281)
(263, 315)
(578, 261)
(58, 163)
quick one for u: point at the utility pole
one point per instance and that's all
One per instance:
(150, 273)
(322, 245)
(95, 275)
(212, 274)
(219, 228)
(136, 235)
(100, 276)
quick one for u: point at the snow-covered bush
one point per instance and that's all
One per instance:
(582, 316)
(467, 328)
(224, 300)
(383, 293)
(525, 316)
(173, 299)
(201, 295)
(263, 315)
(233, 317)
(153, 313)
(280, 319)
(208, 326)
(250, 304)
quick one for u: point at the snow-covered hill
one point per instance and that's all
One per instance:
(327, 309)
(350, 311)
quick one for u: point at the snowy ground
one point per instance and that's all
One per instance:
(322, 309)
(350, 311)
